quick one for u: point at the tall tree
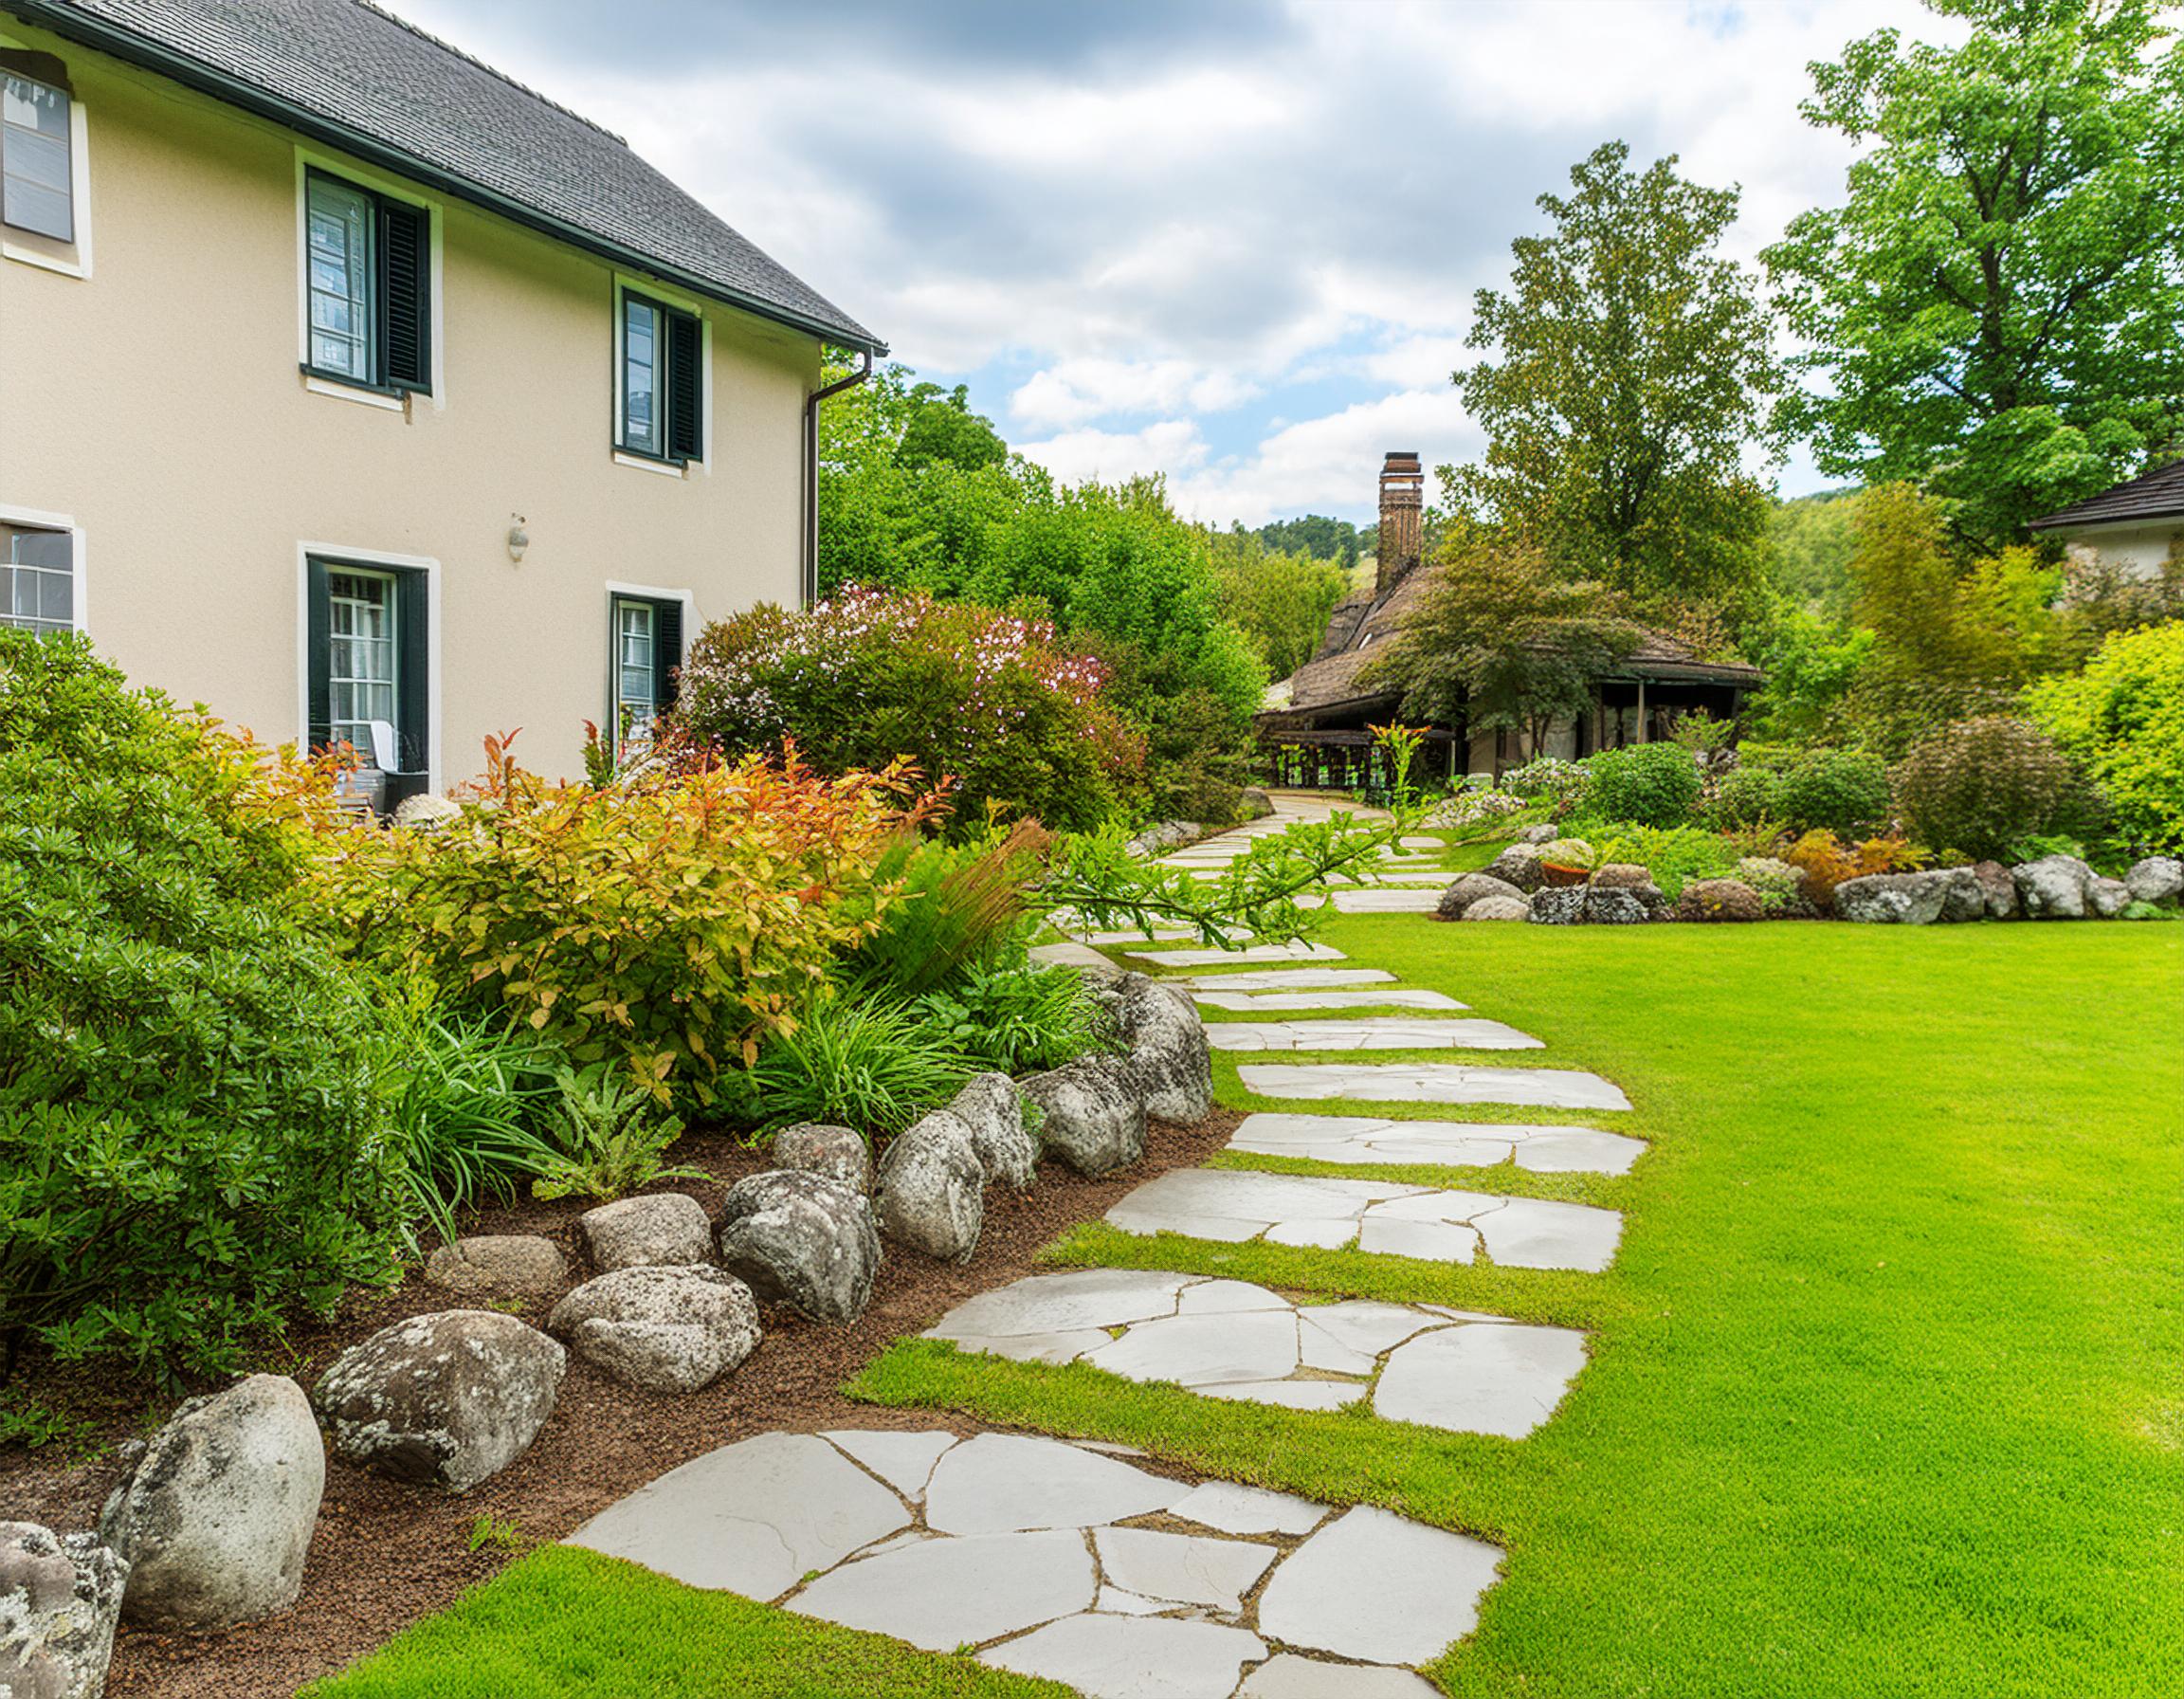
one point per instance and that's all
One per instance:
(1997, 310)
(1281, 599)
(1633, 364)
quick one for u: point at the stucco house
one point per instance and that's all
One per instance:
(344, 380)
(2134, 527)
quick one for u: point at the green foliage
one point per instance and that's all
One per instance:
(2123, 718)
(1843, 790)
(1199, 751)
(34, 1425)
(1741, 797)
(1016, 1018)
(989, 704)
(1983, 785)
(1809, 546)
(876, 1066)
(1649, 784)
(607, 1134)
(1812, 668)
(1997, 305)
(948, 907)
(192, 1141)
(1548, 779)
(1631, 362)
(1779, 884)
(502, 1534)
(1280, 601)
(1674, 855)
(1315, 535)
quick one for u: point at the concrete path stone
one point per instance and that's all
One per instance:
(1244, 1001)
(1370, 1033)
(1390, 899)
(1134, 1657)
(943, 1593)
(1374, 1585)
(1002, 1483)
(1288, 1676)
(1361, 1140)
(904, 1461)
(1290, 979)
(1297, 950)
(1476, 1379)
(1182, 1568)
(1434, 1083)
(1239, 1509)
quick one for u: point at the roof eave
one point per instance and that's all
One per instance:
(121, 44)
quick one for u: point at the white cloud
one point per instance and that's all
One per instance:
(1328, 465)
(1076, 392)
(1170, 446)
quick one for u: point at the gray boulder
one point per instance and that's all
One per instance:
(1998, 890)
(994, 1111)
(1621, 875)
(452, 1399)
(1093, 1113)
(932, 1191)
(838, 1152)
(2158, 879)
(1498, 908)
(1897, 899)
(215, 1516)
(1563, 905)
(664, 1329)
(1517, 868)
(1544, 832)
(1167, 1049)
(1964, 896)
(60, 1595)
(2107, 898)
(1612, 904)
(1255, 803)
(499, 1265)
(1723, 900)
(802, 1239)
(2055, 887)
(1474, 887)
(661, 1228)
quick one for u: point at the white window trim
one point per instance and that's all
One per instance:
(38, 518)
(335, 554)
(628, 284)
(79, 198)
(308, 158)
(651, 593)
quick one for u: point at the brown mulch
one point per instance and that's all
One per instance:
(386, 1555)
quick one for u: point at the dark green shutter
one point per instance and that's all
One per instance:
(686, 372)
(667, 651)
(412, 636)
(406, 295)
(319, 645)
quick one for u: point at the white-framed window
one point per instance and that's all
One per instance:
(660, 379)
(645, 629)
(367, 286)
(38, 576)
(37, 170)
(363, 654)
(337, 224)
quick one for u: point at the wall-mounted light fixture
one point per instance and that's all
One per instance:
(519, 538)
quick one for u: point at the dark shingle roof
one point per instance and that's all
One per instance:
(369, 83)
(2159, 495)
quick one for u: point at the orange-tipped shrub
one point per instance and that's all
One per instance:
(1829, 861)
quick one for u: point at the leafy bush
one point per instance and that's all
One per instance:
(1674, 857)
(1779, 884)
(946, 906)
(665, 919)
(1742, 797)
(1842, 790)
(872, 1065)
(1981, 785)
(464, 1110)
(1548, 779)
(2123, 719)
(1648, 784)
(607, 1134)
(1827, 861)
(1016, 1020)
(987, 705)
(192, 1141)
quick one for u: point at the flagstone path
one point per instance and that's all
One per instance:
(1373, 1032)
(1441, 1143)
(1398, 998)
(1434, 1083)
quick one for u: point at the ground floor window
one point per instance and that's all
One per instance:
(37, 577)
(647, 637)
(369, 663)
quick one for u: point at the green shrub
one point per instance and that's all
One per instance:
(2123, 719)
(607, 1135)
(1744, 797)
(1842, 790)
(1561, 784)
(1980, 786)
(1779, 884)
(1674, 856)
(1646, 784)
(945, 906)
(872, 1065)
(192, 1141)
(1016, 1020)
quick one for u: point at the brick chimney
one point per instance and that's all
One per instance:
(1402, 512)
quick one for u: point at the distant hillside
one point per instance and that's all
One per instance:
(1314, 535)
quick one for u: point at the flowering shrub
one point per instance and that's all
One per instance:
(987, 704)
(1471, 808)
(1981, 785)
(1779, 884)
(1560, 782)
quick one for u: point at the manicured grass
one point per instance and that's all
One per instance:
(1885, 1395)
(566, 1622)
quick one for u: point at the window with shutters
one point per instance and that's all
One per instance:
(646, 632)
(661, 382)
(368, 287)
(368, 679)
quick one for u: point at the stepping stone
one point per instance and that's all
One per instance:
(1134, 1657)
(1435, 844)
(1371, 1585)
(1442, 1143)
(943, 1593)
(904, 1461)
(1133, 935)
(1387, 901)
(1324, 1000)
(1373, 1032)
(1234, 1206)
(1000, 1483)
(1244, 1342)
(1434, 1083)
(1239, 1509)
(1292, 978)
(1288, 1676)
(1297, 950)
(1181, 1568)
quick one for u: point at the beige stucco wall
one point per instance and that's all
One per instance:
(158, 405)
(2135, 551)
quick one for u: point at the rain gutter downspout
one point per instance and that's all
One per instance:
(812, 472)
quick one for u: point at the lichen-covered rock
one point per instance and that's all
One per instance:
(932, 1189)
(1611, 904)
(1567, 853)
(1997, 889)
(1621, 875)
(1093, 1113)
(452, 1399)
(1498, 908)
(838, 1152)
(1892, 899)
(1255, 803)
(1727, 900)
(499, 1265)
(1476, 888)
(802, 1239)
(1167, 1048)
(1561, 906)
(658, 1230)
(2158, 879)
(1542, 834)
(215, 1517)
(60, 1596)
(1963, 897)
(992, 1108)
(664, 1329)
(2055, 887)
(1518, 867)
(2107, 898)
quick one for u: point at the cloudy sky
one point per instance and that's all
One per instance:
(1233, 240)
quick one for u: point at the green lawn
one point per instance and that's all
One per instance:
(1885, 1396)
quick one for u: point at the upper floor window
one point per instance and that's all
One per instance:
(663, 380)
(37, 577)
(369, 280)
(36, 173)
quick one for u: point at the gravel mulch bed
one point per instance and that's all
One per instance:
(387, 1555)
